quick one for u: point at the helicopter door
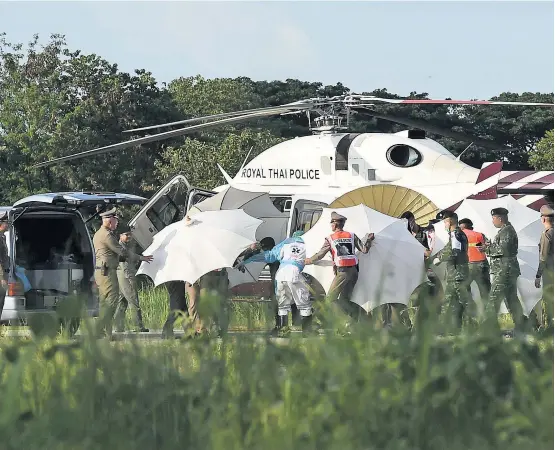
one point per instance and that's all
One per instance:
(164, 208)
(305, 214)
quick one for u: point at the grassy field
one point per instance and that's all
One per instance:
(372, 390)
(247, 313)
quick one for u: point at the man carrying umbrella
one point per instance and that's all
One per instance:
(504, 269)
(478, 265)
(545, 267)
(342, 245)
(455, 255)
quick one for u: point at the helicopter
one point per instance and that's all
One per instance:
(312, 171)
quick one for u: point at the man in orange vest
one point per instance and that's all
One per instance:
(478, 265)
(342, 245)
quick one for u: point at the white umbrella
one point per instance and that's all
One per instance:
(528, 226)
(212, 240)
(389, 272)
(255, 204)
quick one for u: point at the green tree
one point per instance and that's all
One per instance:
(54, 102)
(541, 157)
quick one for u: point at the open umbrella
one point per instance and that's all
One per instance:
(528, 226)
(255, 204)
(186, 250)
(389, 272)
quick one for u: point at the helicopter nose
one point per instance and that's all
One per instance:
(454, 169)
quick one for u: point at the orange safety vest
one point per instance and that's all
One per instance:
(343, 249)
(475, 255)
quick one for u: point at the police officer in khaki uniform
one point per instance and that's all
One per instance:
(544, 274)
(128, 294)
(108, 253)
(342, 245)
(4, 259)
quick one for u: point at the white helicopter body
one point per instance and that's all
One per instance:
(338, 163)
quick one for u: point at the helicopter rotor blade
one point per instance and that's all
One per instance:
(491, 145)
(162, 136)
(300, 105)
(362, 98)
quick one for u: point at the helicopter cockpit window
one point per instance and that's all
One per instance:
(403, 156)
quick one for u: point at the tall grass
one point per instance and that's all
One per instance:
(244, 315)
(370, 390)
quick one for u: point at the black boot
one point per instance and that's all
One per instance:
(307, 326)
(140, 327)
(281, 326)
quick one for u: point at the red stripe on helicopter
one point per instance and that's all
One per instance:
(464, 102)
(514, 177)
(489, 171)
(547, 179)
(537, 204)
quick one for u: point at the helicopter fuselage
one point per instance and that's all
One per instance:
(340, 162)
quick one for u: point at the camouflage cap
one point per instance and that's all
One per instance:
(337, 217)
(546, 210)
(499, 212)
(110, 213)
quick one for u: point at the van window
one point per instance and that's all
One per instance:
(166, 210)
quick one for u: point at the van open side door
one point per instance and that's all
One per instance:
(165, 207)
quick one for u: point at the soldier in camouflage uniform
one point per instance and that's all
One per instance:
(504, 270)
(455, 255)
(545, 266)
(128, 286)
(4, 259)
(109, 253)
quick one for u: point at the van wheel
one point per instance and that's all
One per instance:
(70, 326)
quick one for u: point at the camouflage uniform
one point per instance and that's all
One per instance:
(545, 266)
(454, 254)
(505, 271)
(128, 291)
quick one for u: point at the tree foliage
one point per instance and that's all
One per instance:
(541, 157)
(55, 101)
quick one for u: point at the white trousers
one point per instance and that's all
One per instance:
(293, 291)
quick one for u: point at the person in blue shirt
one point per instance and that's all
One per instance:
(291, 286)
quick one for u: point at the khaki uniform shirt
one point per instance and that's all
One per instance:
(108, 250)
(546, 252)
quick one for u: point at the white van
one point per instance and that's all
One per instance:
(51, 251)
